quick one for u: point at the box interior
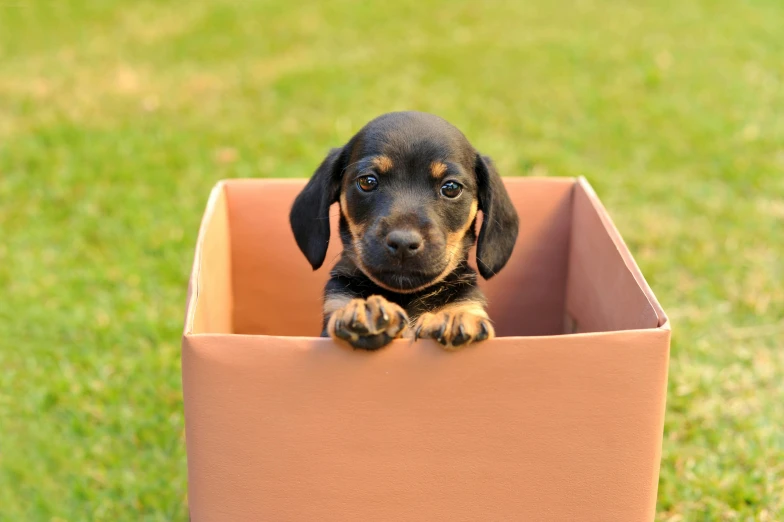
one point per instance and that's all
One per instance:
(570, 271)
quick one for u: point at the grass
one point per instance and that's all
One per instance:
(116, 118)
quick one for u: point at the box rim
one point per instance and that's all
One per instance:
(510, 338)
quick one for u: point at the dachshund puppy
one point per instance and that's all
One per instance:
(409, 186)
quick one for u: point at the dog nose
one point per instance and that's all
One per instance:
(404, 243)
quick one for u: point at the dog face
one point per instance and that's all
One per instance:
(408, 199)
(410, 186)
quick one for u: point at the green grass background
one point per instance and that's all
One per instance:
(116, 118)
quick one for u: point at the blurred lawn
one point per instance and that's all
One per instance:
(116, 118)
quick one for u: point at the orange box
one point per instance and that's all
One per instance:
(558, 418)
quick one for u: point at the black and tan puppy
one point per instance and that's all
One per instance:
(409, 186)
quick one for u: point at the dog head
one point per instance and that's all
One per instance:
(409, 186)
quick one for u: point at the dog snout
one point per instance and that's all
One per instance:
(404, 243)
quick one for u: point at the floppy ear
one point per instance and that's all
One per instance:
(309, 215)
(499, 222)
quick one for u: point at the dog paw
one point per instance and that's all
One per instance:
(368, 324)
(454, 328)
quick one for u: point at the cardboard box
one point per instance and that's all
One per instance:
(559, 418)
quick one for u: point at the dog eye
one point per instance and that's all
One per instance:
(451, 189)
(367, 183)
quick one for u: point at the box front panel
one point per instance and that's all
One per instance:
(550, 428)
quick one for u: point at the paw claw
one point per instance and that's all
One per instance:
(402, 320)
(382, 320)
(461, 338)
(356, 324)
(439, 334)
(343, 334)
(484, 333)
(359, 328)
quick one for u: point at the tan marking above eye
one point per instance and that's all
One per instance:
(437, 169)
(382, 163)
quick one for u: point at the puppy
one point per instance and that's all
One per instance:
(409, 186)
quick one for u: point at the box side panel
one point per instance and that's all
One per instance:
(548, 428)
(276, 292)
(602, 293)
(210, 293)
(527, 296)
(627, 256)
